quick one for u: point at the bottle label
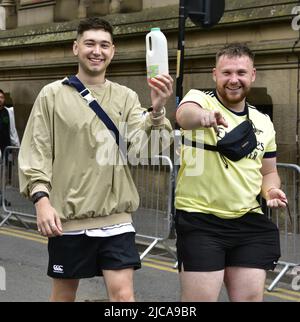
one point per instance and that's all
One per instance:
(152, 71)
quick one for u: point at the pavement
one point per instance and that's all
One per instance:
(23, 257)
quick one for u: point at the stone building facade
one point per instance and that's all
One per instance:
(36, 48)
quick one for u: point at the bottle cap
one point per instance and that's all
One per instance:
(153, 29)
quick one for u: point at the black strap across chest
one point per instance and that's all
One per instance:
(95, 106)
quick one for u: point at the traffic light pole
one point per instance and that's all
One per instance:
(205, 13)
(180, 52)
(179, 92)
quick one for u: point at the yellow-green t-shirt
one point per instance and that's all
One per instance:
(204, 184)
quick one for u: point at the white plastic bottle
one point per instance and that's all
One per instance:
(156, 53)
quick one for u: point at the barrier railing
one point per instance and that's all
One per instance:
(289, 229)
(153, 219)
(13, 204)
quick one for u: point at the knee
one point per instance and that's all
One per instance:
(247, 297)
(121, 295)
(64, 290)
(255, 297)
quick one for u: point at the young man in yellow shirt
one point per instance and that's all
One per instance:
(222, 234)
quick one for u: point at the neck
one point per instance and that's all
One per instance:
(91, 80)
(236, 107)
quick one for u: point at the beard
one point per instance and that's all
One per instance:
(232, 98)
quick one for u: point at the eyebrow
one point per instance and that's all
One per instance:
(101, 41)
(230, 70)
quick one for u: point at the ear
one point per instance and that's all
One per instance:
(214, 74)
(75, 48)
(113, 52)
(253, 75)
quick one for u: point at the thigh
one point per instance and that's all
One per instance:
(201, 286)
(199, 253)
(64, 290)
(72, 257)
(118, 252)
(258, 245)
(199, 247)
(245, 284)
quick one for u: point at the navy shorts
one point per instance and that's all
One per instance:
(82, 256)
(206, 242)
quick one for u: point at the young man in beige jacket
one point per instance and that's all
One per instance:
(83, 203)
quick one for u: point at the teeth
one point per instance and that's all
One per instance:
(96, 60)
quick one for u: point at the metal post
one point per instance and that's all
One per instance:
(180, 52)
(179, 91)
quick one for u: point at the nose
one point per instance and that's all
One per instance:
(233, 78)
(97, 50)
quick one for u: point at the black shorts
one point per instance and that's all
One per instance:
(81, 256)
(206, 242)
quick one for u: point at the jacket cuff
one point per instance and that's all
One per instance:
(39, 187)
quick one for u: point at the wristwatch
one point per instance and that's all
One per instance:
(157, 114)
(38, 195)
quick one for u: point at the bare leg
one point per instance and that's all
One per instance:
(245, 284)
(64, 290)
(201, 286)
(119, 285)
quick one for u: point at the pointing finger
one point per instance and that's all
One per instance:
(220, 119)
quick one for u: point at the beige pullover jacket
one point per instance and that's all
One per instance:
(67, 151)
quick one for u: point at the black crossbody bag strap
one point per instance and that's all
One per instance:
(194, 144)
(95, 106)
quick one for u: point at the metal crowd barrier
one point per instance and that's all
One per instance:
(13, 204)
(289, 229)
(153, 219)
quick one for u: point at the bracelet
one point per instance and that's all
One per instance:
(38, 195)
(157, 114)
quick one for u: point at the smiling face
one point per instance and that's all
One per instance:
(233, 76)
(94, 50)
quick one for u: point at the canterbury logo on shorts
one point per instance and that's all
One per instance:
(58, 269)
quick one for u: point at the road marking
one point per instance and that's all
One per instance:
(282, 296)
(28, 236)
(149, 262)
(161, 268)
(167, 263)
(280, 290)
(28, 233)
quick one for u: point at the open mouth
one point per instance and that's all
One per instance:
(96, 60)
(234, 89)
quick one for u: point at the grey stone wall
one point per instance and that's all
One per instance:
(33, 56)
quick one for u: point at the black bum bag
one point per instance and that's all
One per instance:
(239, 142)
(234, 145)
